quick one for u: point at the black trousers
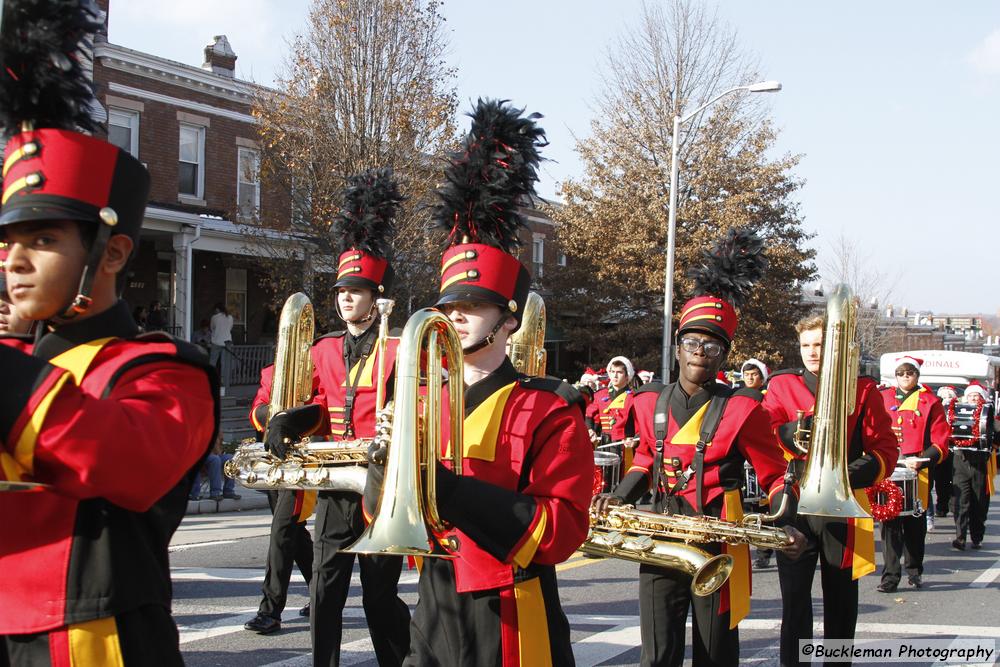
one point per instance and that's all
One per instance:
(840, 591)
(904, 536)
(339, 523)
(664, 600)
(290, 545)
(146, 636)
(940, 478)
(971, 500)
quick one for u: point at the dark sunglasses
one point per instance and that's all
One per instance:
(901, 373)
(711, 348)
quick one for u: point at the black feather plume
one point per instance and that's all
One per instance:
(487, 179)
(43, 51)
(371, 202)
(731, 268)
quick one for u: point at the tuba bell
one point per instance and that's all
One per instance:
(825, 489)
(406, 514)
(526, 348)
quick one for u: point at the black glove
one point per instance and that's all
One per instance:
(786, 432)
(377, 452)
(289, 426)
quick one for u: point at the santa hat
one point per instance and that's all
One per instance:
(589, 375)
(645, 376)
(722, 283)
(759, 365)
(52, 171)
(629, 368)
(975, 388)
(907, 359)
(364, 230)
(722, 378)
(947, 392)
(486, 183)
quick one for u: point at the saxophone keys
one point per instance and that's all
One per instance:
(641, 543)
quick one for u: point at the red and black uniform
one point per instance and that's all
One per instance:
(609, 412)
(519, 508)
(974, 470)
(290, 543)
(922, 431)
(742, 433)
(116, 424)
(349, 401)
(845, 548)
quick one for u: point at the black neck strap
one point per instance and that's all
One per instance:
(81, 303)
(485, 342)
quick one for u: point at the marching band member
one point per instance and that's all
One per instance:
(755, 375)
(942, 473)
(114, 424)
(973, 481)
(12, 326)
(923, 433)
(609, 409)
(845, 548)
(290, 543)
(520, 505)
(708, 431)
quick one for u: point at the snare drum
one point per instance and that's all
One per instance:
(906, 480)
(752, 493)
(963, 426)
(607, 466)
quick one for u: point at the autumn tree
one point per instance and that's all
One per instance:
(613, 224)
(366, 85)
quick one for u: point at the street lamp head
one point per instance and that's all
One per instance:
(764, 87)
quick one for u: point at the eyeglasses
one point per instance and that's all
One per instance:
(711, 348)
(901, 373)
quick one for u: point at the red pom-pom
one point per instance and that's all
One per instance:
(893, 496)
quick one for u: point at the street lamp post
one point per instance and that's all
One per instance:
(668, 289)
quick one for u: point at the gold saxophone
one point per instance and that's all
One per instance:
(526, 348)
(322, 466)
(665, 540)
(825, 489)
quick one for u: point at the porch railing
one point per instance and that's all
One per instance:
(248, 362)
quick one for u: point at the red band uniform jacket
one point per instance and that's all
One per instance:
(871, 452)
(743, 434)
(921, 430)
(519, 508)
(115, 424)
(609, 410)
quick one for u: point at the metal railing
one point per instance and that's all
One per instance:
(248, 361)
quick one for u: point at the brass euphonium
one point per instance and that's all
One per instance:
(407, 507)
(526, 348)
(329, 466)
(824, 489)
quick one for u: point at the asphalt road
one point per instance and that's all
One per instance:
(218, 562)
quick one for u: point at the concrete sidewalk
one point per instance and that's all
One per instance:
(250, 499)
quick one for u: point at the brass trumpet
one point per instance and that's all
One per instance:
(406, 513)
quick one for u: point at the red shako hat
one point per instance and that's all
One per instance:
(364, 230)
(51, 170)
(486, 183)
(722, 283)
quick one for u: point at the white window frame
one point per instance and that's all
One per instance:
(561, 259)
(538, 254)
(130, 119)
(200, 130)
(241, 182)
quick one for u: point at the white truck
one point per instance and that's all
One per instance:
(946, 367)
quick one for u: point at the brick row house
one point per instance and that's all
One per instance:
(192, 128)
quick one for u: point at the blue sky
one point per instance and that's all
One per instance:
(893, 106)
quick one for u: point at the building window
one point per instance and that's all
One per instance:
(538, 255)
(561, 259)
(248, 183)
(123, 130)
(191, 169)
(236, 295)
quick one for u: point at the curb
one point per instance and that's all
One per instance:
(250, 500)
